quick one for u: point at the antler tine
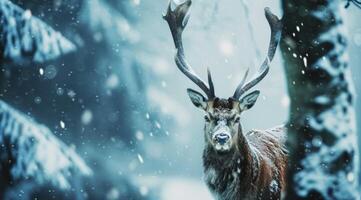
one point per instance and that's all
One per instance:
(177, 20)
(210, 82)
(276, 27)
(239, 87)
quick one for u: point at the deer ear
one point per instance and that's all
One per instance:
(197, 99)
(249, 100)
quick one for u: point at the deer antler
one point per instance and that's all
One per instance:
(177, 20)
(276, 26)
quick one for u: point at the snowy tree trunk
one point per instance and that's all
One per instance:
(322, 141)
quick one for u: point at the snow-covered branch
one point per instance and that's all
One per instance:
(30, 152)
(24, 37)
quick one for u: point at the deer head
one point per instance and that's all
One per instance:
(222, 118)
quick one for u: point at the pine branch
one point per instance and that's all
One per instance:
(29, 151)
(25, 38)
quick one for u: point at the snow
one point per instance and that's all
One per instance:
(140, 158)
(180, 189)
(322, 100)
(274, 186)
(62, 124)
(86, 117)
(139, 135)
(304, 61)
(112, 82)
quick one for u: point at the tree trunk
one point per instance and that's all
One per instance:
(322, 139)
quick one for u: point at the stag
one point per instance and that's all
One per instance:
(237, 165)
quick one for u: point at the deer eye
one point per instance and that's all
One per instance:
(206, 118)
(236, 120)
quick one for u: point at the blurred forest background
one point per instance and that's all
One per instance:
(104, 108)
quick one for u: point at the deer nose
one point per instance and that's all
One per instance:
(222, 138)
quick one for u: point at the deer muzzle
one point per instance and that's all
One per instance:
(222, 137)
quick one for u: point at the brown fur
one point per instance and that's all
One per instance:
(222, 103)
